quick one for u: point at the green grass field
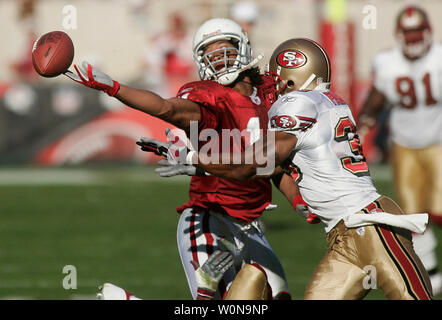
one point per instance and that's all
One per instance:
(118, 224)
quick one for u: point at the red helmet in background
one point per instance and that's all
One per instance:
(413, 31)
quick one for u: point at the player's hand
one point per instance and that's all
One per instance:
(92, 78)
(168, 169)
(313, 218)
(175, 151)
(210, 273)
(152, 145)
(301, 208)
(178, 150)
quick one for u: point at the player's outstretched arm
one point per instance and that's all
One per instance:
(179, 112)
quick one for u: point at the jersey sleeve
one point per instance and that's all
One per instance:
(201, 94)
(296, 115)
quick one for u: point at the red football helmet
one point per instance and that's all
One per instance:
(413, 31)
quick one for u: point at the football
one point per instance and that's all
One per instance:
(52, 54)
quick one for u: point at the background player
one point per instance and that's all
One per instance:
(232, 95)
(408, 78)
(316, 132)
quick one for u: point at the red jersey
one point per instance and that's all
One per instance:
(224, 108)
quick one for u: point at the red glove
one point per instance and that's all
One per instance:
(301, 207)
(92, 78)
(313, 218)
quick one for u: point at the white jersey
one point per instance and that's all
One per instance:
(329, 167)
(414, 88)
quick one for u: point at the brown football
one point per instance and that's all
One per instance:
(52, 54)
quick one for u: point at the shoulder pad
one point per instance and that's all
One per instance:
(293, 112)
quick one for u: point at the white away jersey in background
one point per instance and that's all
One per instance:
(415, 90)
(330, 169)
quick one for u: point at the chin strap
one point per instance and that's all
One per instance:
(323, 86)
(307, 82)
(252, 63)
(319, 84)
(229, 78)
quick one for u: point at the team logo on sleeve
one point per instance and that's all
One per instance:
(291, 59)
(282, 122)
(183, 94)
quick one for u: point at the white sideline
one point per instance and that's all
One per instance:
(91, 176)
(81, 176)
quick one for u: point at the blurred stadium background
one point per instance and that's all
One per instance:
(75, 190)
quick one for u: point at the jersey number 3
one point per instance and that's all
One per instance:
(345, 130)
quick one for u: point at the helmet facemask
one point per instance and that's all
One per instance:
(230, 60)
(225, 67)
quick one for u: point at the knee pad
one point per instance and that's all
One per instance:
(250, 284)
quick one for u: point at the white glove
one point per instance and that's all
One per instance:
(302, 209)
(210, 273)
(155, 146)
(92, 78)
(169, 169)
(174, 150)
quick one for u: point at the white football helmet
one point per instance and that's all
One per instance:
(221, 29)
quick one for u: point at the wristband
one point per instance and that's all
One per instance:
(114, 90)
(298, 200)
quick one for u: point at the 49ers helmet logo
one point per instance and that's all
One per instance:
(291, 59)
